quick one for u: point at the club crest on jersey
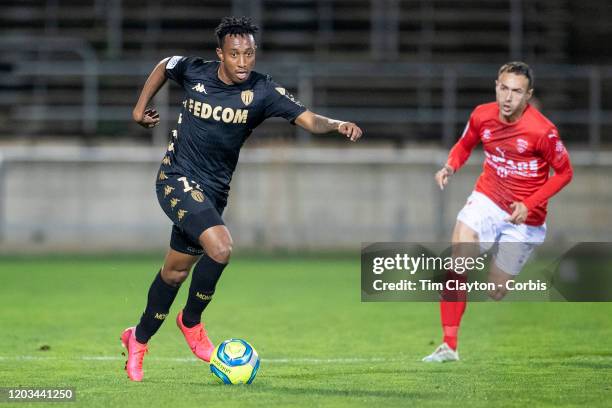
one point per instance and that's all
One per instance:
(486, 135)
(521, 145)
(247, 97)
(197, 196)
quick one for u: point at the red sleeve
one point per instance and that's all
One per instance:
(552, 150)
(463, 148)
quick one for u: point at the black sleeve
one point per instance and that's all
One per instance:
(176, 68)
(280, 103)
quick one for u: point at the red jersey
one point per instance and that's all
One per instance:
(518, 158)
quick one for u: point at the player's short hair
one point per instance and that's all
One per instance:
(234, 26)
(519, 68)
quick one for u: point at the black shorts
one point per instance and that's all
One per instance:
(191, 210)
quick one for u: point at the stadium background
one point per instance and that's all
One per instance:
(77, 173)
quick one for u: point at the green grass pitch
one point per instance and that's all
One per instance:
(320, 346)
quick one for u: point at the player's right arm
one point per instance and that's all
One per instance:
(148, 117)
(459, 154)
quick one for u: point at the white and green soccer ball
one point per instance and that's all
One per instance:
(234, 361)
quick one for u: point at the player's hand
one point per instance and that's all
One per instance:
(519, 213)
(149, 119)
(350, 130)
(442, 176)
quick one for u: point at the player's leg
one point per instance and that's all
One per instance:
(473, 227)
(499, 277)
(217, 243)
(205, 229)
(516, 244)
(452, 305)
(198, 230)
(162, 293)
(462, 233)
(453, 302)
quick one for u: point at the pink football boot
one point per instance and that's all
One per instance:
(136, 352)
(197, 339)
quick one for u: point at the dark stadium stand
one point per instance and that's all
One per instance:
(59, 55)
(417, 30)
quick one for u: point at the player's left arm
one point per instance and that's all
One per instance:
(553, 151)
(148, 117)
(315, 123)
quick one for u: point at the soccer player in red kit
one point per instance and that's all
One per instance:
(508, 204)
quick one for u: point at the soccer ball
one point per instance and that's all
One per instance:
(234, 362)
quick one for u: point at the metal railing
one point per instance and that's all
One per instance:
(44, 46)
(302, 77)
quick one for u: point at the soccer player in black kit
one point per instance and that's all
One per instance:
(224, 101)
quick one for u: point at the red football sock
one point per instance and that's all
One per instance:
(451, 313)
(452, 307)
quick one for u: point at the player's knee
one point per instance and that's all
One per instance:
(220, 251)
(498, 294)
(464, 237)
(463, 234)
(174, 276)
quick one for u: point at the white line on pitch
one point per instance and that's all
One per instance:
(193, 360)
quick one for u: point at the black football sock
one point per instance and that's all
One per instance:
(160, 298)
(205, 275)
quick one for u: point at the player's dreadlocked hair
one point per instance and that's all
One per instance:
(234, 26)
(519, 68)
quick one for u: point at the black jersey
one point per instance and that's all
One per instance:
(217, 118)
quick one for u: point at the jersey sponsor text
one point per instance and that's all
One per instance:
(218, 113)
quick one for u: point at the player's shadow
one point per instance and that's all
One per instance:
(592, 360)
(323, 392)
(591, 365)
(326, 392)
(315, 374)
(319, 391)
